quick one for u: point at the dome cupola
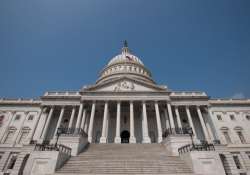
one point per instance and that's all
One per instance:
(125, 64)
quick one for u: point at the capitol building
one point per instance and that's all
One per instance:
(125, 123)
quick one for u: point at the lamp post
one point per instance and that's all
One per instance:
(190, 132)
(58, 133)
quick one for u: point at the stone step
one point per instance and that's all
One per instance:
(116, 157)
(165, 173)
(127, 171)
(83, 162)
(125, 159)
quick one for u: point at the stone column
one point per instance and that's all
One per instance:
(118, 123)
(132, 138)
(158, 121)
(178, 119)
(190, 121)
(72, 117)
(78, 121)
(47, 123)
(145, 136)
(87, 122)
(83, 118)
(103, 139)
(107, 126)
(166, 117)
(203, 124)
(59, 120)
(91, 122)
(171, 118)
(43, 110)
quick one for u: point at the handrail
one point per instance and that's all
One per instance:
(172, 131)
(196, 147)
(73, 132)
(58, 147)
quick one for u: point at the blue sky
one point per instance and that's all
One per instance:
(51, 45)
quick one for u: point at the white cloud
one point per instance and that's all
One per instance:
(238, 95)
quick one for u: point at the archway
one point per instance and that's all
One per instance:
(125, 136)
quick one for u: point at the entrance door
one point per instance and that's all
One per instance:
(125, 136)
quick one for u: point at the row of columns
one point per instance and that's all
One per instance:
(190, 120)
(81, 121)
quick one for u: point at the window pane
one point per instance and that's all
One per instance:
(227, 137)
(237, 162)
(9, 137)
(242, 139)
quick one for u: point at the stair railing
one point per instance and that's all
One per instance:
(196, 147)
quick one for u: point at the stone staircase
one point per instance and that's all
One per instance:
(124, 159)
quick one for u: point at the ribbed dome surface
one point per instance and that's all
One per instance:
(125, 57)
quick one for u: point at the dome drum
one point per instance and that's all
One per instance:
(126, 68)
(125, 64)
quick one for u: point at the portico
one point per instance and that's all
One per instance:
(144, 120)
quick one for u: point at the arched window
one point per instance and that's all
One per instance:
(239, 132)
(24, 134)
(10, 135)
(226, 134)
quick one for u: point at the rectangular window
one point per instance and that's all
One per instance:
(1, 120)
(31, 117)
(219, 117)
(248, 117)
(237, 162)
(23, 136)
(1, 155)
(9, 137)
(242, 139)
(17, 117)
(227, 137)
(248, 154)
(232, 117)
(12, 161)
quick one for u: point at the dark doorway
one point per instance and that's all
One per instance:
(125, 136)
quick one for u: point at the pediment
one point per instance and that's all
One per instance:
(125, 85)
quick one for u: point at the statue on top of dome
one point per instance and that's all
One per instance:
(125, 43)
(125, 47)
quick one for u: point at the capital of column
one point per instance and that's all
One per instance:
(62, 107)
(12, 112)
(156, 101)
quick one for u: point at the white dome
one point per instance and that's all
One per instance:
(125, 57)
(125, 64)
